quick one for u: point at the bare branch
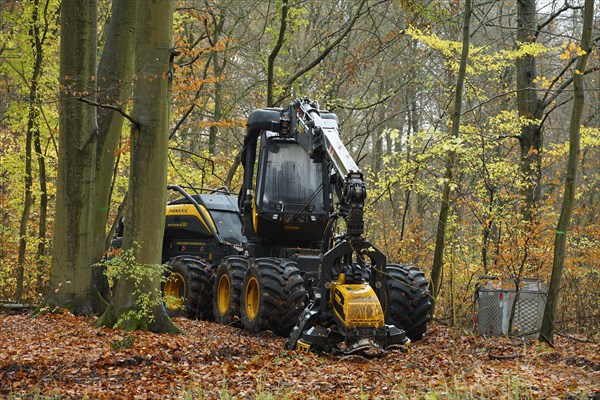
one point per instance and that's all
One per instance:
(111, 107)
(323, 54)
(370, 105)
(547, 113)
(565, 84)
(502, 357)
(207, 159)
(196, 97)
(552, 17)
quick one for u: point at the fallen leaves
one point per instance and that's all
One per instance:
(65, 356)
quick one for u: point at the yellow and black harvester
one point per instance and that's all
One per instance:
(295, 272)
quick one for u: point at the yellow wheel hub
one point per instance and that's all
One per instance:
(223, 294)
(174, 291)
(252, 298)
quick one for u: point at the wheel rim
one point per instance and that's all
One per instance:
(252, 298)
(223, 294)
(174, 291)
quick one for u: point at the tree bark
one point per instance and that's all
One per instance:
(146, 199)
(560, 239)
(218, 68)
(40, 256)
(71, 274)
(115, 77)
(275, 52)
(218, 109)
(438, 257)
(530, 108)
(32, 126)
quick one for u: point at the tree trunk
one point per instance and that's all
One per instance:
(560, 239)
(218, 68)
(218, 110)
(40, 256)
(530, 109)
(27, 197)
(438, 257)
(26, 200)
(146, 199)
(32, 126)
(275, 52)
(377, 151)
(71, 274)
(413, 126)
(115, 76)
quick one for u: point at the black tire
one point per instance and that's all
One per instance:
(228, 287)
(188, 288)
(273, 296)
(408, 304)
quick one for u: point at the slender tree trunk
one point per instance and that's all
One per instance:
(438, 256)
(486, 233)
(275, 52)
(115, 77)
(72, 255)
(234, 166)
(40, 256)
(218, 67)
(218, 110)
(560, 239)
(530, 109)
(26, 201)
(413, 128)
(32, 126)
(378, 148)
(146, 199)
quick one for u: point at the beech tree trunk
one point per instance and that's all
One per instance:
(438, 256)
(560, 238)
(115, 81)
(530, 109)
(71, 273)
(146, 199)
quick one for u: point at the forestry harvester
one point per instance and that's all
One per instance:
(290, 272)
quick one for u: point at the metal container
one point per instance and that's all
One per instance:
(494, 301)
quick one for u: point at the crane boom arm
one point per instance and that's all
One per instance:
(320, 138)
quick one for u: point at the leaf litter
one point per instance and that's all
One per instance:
(65, 356)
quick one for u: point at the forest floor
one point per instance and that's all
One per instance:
(63, 356)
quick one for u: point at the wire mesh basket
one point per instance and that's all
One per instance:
(496, 299)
